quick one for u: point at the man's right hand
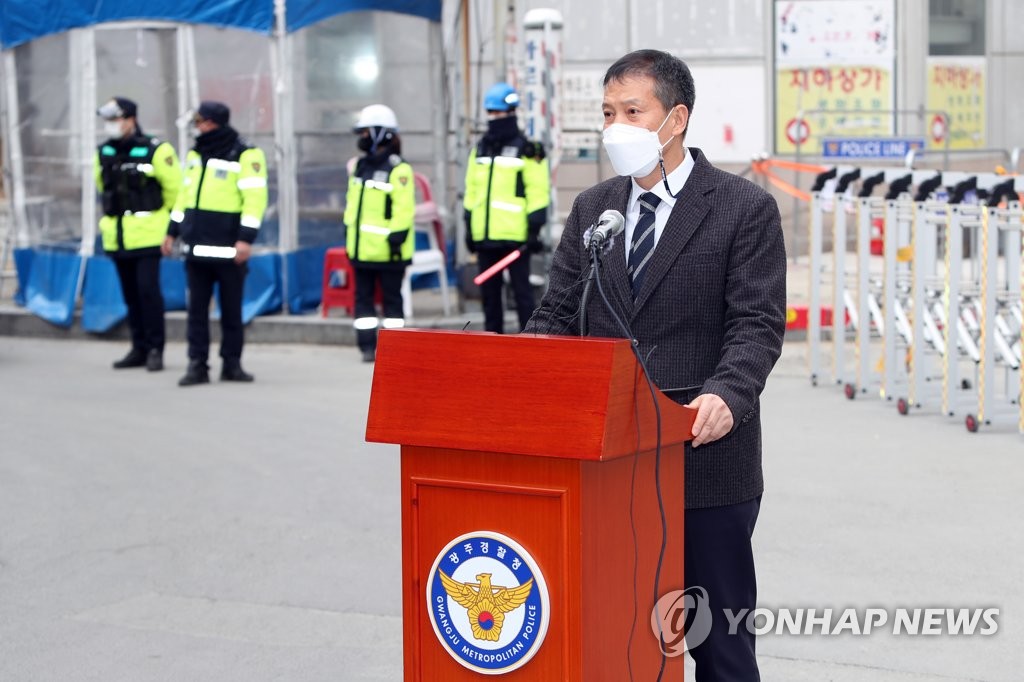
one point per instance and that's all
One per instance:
(167, 248)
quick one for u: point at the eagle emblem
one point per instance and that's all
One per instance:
(487, 604)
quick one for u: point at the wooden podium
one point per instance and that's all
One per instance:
(541, 449)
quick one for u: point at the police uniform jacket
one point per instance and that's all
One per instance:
(224, 196)
(138, 178)
(380, 209)
(507, 192)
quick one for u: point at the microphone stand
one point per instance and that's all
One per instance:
(595, 257)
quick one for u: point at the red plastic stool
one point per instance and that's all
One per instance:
(339, 288)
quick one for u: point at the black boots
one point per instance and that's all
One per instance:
(232, 371)
(154, 360)
(197, 373)
(136, 358)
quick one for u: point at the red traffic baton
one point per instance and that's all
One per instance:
(499, 266)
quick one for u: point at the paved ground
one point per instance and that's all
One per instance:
(248, 533)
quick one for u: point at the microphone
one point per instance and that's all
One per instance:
(608, 225)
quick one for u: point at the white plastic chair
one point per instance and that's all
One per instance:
(431, 259)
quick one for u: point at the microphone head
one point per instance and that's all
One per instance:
(611, 222)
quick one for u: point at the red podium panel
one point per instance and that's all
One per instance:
(544, 448)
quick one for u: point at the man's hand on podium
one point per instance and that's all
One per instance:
(713, 420)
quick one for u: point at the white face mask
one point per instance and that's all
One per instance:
(112, 128)
(633, 150)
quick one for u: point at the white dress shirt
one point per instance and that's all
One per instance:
(676, 180)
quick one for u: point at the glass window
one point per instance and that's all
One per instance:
(956, 27)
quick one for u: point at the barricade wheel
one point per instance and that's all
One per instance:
(850, 391)
(971, 422)
(902, 406)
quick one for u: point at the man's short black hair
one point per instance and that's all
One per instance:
(216, 112)
(673, 82)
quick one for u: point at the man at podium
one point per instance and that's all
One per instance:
(698, 279)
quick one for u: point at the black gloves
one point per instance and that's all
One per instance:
(534, 222)
(395, 241)
(470, 244)
(534, 150)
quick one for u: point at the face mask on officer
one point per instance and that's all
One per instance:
(113, 128)
(364, 143)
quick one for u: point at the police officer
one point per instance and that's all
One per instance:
(217, 217)
(506, 203)
(380, 208)
(138, 177)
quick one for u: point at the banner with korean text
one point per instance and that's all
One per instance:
(834, 65)
(956, 86)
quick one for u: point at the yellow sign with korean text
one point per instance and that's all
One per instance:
(956, 87)
(836, 101)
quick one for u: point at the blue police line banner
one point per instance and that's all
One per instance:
(24, 20)
(870, 147)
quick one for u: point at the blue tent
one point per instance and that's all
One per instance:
(282, 280)
(25, 20)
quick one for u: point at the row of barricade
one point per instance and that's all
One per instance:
(934, 322)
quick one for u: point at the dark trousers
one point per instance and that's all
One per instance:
(719, 558)
(140, 286)
(367, 279)
(491, 290)
(230, 277)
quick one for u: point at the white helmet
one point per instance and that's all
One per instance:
(377, 116)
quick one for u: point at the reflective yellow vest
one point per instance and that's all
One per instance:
(222, 201)
(376, 206)
(138, 188)
(502, 190)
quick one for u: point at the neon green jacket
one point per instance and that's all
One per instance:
(138, 179)
(380, 208)
(507, 193)
(223, 199)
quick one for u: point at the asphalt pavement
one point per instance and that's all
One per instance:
(248, 532)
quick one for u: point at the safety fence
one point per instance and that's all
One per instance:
(925, 309)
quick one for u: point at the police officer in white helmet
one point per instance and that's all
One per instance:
(380, 209)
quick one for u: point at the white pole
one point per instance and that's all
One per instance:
(85, 110)
(460, 103)
(15, 158)
(284, 133)
(184, 103)
(440, 122)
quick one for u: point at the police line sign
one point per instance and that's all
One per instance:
(870, 147)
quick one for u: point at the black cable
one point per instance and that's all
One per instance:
(657, 463)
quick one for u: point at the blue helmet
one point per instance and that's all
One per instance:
(501, 97)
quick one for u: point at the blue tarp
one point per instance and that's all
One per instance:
(303, 13)
(25, 20)
(305, 269)
(172, 283)
(262, 292)
(103, 305)
(22, 265)
(51, 288)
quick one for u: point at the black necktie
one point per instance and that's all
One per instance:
(642, 248)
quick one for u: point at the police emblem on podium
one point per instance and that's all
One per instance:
(488, 602)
